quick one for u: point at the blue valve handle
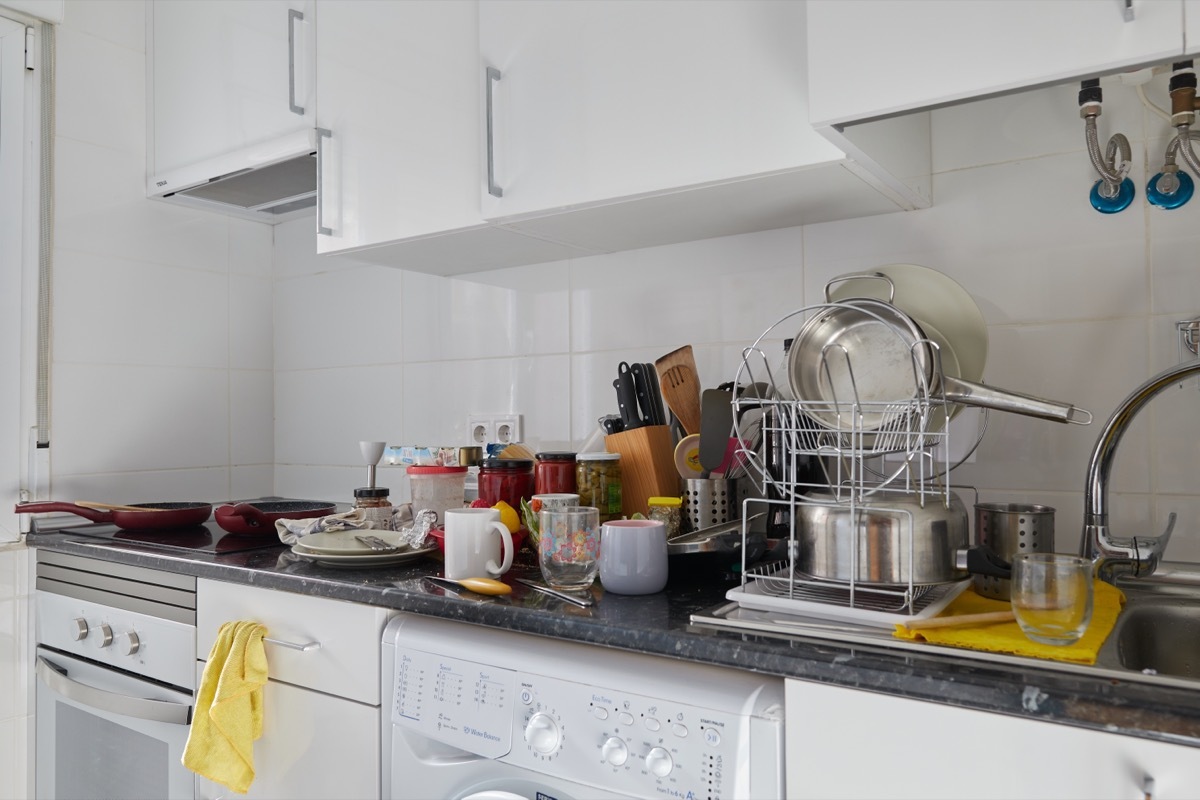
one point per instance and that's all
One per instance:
(1176, 198)
(1111, 205)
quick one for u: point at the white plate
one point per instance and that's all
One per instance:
(372, 560)
(344, 543)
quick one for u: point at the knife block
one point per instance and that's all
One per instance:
(647, 465)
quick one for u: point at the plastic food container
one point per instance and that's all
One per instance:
(437, 488)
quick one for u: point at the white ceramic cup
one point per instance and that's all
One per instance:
(633, 556)
(472, 544)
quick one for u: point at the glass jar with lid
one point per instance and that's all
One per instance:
(598, 483)
(376, 507)
(507, 479)
(667, 511)
(554, 473)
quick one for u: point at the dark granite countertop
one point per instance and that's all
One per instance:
(661, 624)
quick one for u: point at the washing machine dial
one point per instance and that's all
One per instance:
(615, 751)
(659, 762)
(542, 733)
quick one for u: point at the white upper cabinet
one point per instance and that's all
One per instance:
(876, 57)
(400, 169)
(227, 75)
(620, 125)
(1191, 34)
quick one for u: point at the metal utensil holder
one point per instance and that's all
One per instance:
(904, 451)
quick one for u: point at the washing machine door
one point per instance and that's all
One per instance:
(513, 788)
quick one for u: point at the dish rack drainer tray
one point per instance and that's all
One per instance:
(867, 450)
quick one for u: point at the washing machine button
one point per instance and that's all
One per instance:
(625, 717)
(659, 762)
(712, 737)
(651, 724)
(679, 729)
(526, 697)
(599, 712)
(615, 751)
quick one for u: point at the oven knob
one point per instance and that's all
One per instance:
(659, 762)
(105, 635)
(542, 733)
(132, 643)
(615, 751)
(79, 629)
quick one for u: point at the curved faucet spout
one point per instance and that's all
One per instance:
(1137, 556)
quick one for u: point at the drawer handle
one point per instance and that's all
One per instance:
(303, 648)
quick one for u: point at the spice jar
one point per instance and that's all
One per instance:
(507, 479)
(373, 502)
(667, 511)
(554, 473)
(598, 483)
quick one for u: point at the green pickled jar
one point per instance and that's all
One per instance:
(598, 483)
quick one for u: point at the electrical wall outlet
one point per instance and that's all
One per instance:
(495, 428)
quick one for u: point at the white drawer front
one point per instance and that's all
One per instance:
(347, 662)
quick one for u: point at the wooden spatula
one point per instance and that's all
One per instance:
(681, 386)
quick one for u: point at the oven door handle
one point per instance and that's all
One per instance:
(135, 707)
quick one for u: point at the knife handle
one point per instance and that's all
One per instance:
(642, 390)
(627, 397)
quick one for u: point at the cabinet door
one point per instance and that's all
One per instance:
(928, 750)
(398, 86)
(227, 75)
(921, 53)
(313, 746)
(1191, 33)
(599, 100)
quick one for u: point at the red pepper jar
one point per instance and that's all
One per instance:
(554, 473)
(507, 479)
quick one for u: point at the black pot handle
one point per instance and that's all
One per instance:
(982, 560)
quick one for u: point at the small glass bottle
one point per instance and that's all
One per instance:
(598, 483)
(554, 473)
(667, 511)
(376, 507)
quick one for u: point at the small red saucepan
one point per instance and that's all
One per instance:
(258, 518)
(136, 517)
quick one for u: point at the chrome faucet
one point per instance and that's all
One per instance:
(1136, 556)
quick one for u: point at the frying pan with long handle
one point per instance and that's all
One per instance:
(257, 518)
(146, 517)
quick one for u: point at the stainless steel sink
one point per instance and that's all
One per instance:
(1158, 632)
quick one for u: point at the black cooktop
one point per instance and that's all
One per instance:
(207, 538)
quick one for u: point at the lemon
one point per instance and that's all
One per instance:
(508, 516)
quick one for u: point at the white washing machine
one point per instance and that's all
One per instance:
(474, 713)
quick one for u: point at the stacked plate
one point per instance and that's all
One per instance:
(343, 549)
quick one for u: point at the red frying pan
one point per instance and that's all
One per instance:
(258, 518)
(136, 517)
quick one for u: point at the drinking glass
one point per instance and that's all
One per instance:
(1052, 596)
(569, 546)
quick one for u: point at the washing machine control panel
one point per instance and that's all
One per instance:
(622, 741)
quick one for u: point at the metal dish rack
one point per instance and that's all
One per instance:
(865, 452)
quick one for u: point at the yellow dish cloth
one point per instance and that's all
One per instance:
(1006, 637)
(229, 713)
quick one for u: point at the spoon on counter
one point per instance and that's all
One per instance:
(489, 586)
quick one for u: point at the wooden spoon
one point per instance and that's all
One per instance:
(111, 507)
(959, 620)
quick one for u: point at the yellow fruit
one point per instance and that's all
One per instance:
(508, 516)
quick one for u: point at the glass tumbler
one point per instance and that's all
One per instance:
(1051, 595)
(569, 546)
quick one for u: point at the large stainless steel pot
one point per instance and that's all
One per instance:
(896, 540)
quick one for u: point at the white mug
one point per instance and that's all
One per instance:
(472, 543)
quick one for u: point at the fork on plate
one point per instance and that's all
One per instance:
(375, 543)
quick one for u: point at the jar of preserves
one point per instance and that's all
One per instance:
(598, 483)
(376, 507)
(554, 473)
(507, 479)
(667, 511)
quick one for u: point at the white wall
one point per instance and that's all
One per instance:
(1080, 307)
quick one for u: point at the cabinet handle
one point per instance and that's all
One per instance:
(303, 648)
(493, 76)
(293, 15)
(322, 135)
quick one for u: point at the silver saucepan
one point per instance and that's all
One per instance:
(890, 541)
(868, 353)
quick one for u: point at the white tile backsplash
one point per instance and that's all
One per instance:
(104, 107)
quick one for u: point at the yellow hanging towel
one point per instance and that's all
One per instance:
(229, 714)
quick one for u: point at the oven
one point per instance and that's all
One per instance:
(115, 679)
